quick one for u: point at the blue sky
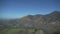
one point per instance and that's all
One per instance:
(19, 8)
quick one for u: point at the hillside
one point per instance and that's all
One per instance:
(38, 20)
(49, 22)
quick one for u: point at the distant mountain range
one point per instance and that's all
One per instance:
(49, 22)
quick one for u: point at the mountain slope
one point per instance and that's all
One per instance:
(34, 20)
(49, 22)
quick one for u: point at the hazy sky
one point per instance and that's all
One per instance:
(19, 8)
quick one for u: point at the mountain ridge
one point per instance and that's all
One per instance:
(49, 22)
(39, 19)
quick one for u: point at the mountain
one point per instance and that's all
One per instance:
(49, 22)
(38, 20)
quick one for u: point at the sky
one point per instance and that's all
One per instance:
(20, 8)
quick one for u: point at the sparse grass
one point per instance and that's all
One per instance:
(11, 31)
(29, 31)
